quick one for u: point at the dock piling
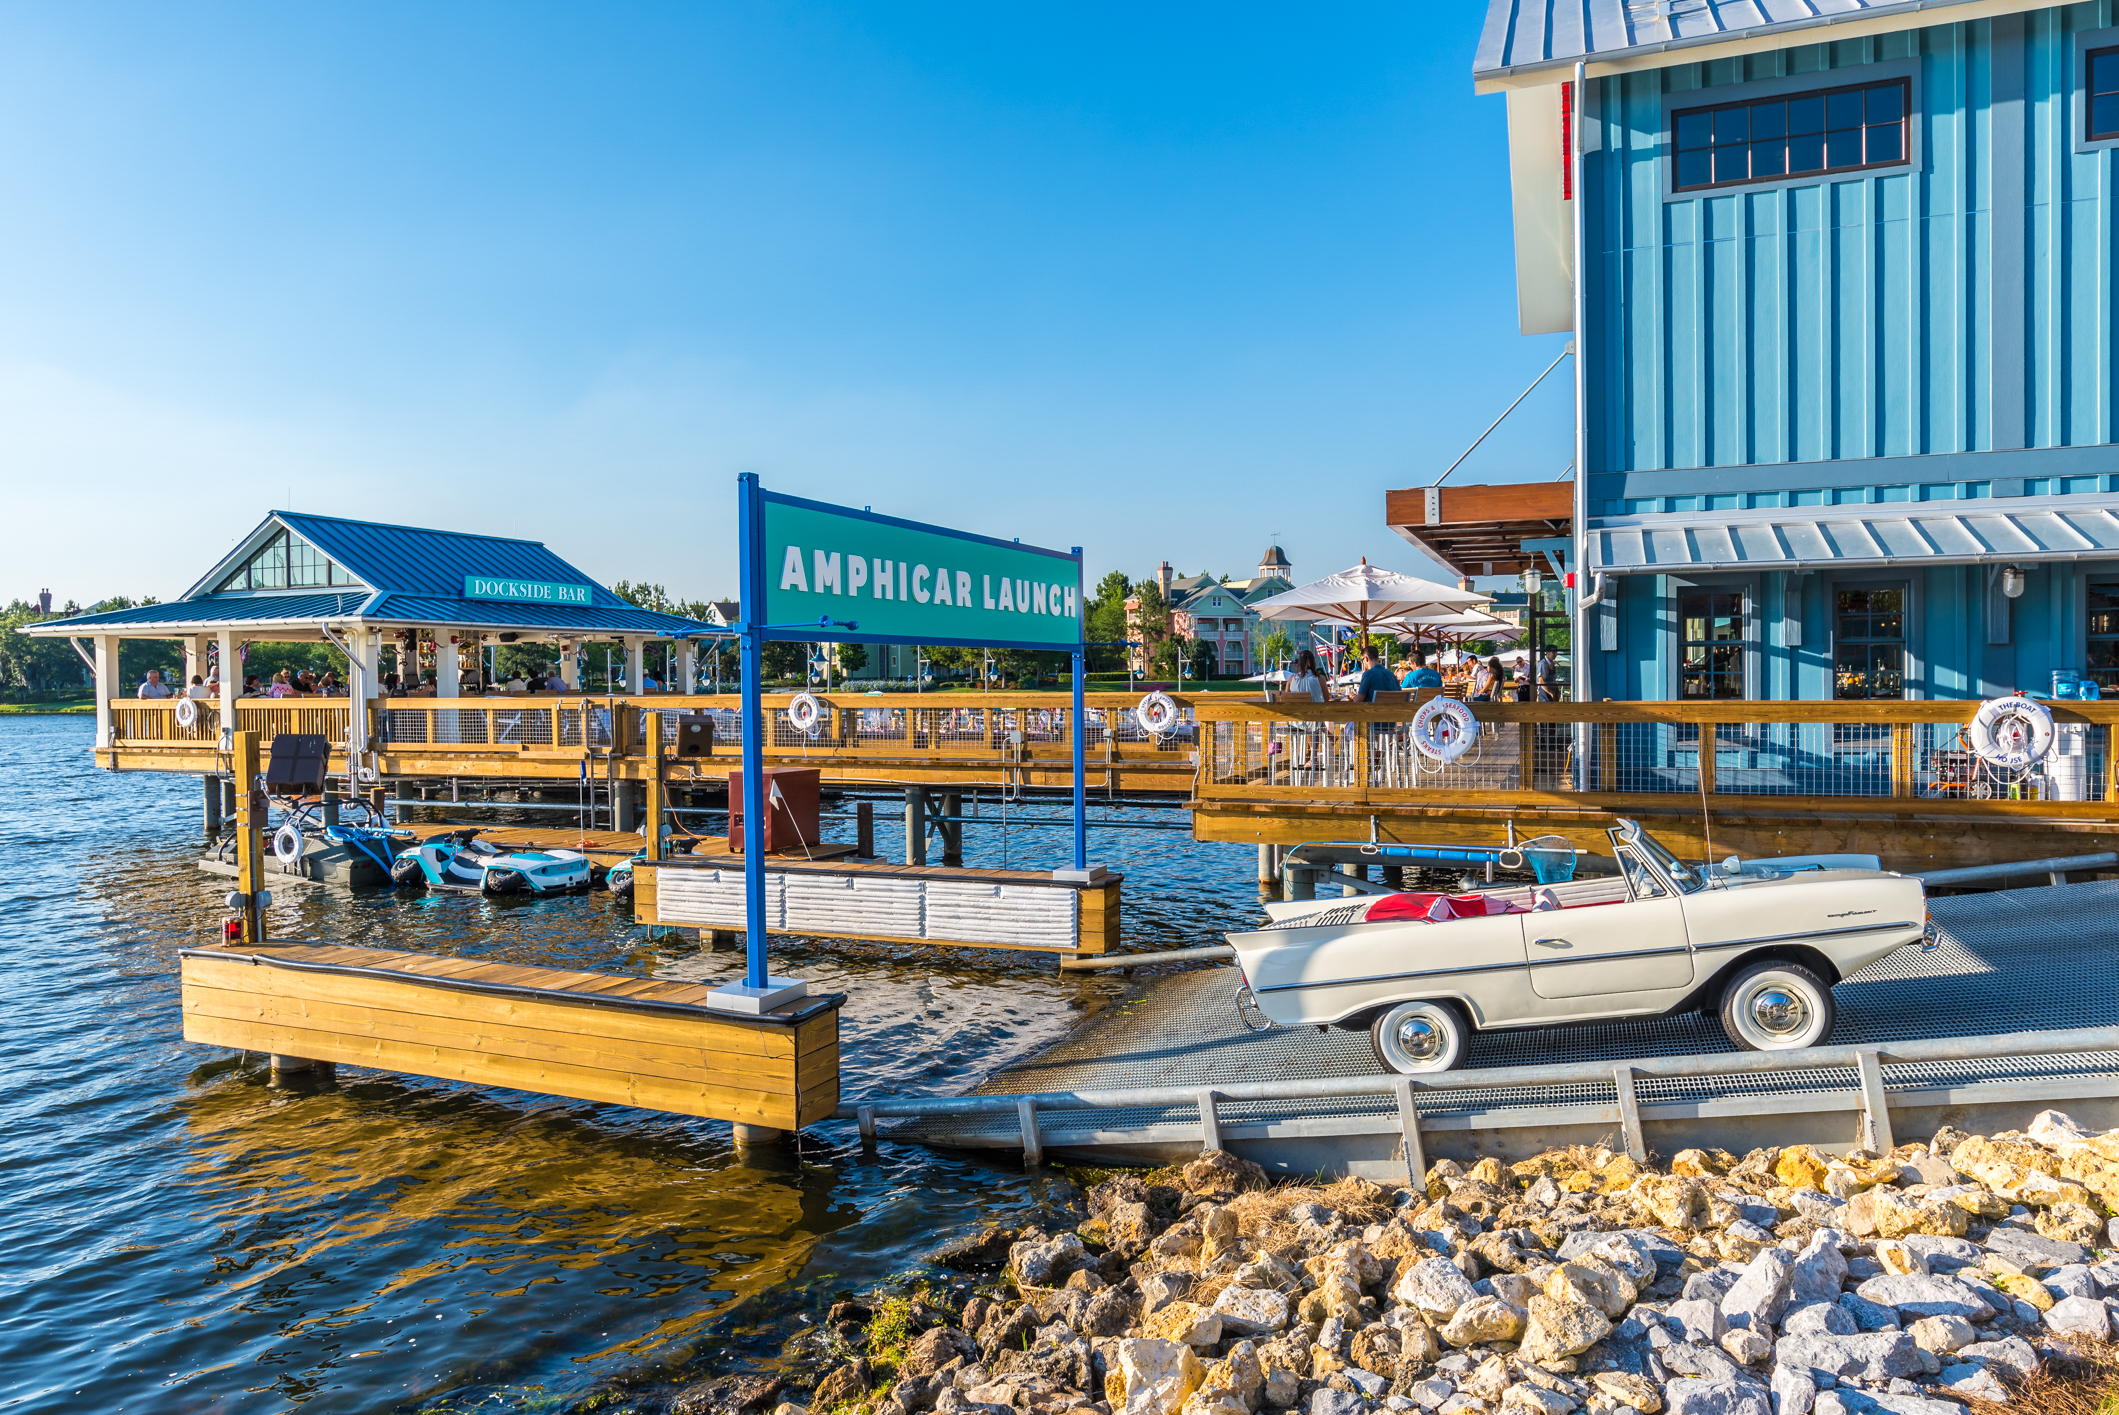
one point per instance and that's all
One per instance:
(952, 828)
(915, 825)
(1298, 882)
(864, 815)
(751, 1136)
(1033, 1143)
(213, 805)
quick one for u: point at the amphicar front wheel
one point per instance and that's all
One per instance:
(1415, 1038)
(1777, 1006)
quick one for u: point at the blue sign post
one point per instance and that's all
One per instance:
(809, 571)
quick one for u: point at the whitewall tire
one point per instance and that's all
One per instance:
(1416, 1038)
(1777, 1006)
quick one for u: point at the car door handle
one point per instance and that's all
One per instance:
(1552, 943)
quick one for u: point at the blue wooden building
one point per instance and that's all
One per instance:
(1849, 334)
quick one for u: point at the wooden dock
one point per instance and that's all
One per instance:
(589, 1036)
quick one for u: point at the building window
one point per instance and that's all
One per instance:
(1834, 130)
(2103, 106)
(1711, 651)
(2104, 634)
(286, 562)
(1869, 645)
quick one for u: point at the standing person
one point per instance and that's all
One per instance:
(1421, 676)
(1303, 682)
(1375, 678)
(154, 687)
(1548, 675)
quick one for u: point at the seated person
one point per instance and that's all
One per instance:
(154, 687)
(1421, 676)
(198, 690)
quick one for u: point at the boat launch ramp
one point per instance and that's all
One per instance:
(2015, 1010)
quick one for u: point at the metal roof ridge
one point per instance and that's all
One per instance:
(416, 530)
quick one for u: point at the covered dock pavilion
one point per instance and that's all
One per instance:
(363, 588)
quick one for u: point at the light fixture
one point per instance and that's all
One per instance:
(2012, 581)
(1533, 580)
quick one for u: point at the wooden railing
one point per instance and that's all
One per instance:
(1795, 753)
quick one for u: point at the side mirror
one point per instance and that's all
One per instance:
(1734, 865)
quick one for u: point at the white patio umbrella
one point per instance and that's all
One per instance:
(1367, 596)
(1468, 627)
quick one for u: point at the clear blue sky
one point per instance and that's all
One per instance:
(1162, 281)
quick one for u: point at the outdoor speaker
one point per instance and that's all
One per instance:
(695, 734)
(300, 762)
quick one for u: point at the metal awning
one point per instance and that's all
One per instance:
(2020, 530)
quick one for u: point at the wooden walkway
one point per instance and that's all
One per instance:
(590, 1036)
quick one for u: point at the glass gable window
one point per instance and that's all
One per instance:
(1833, 130)
(1869, 647)
(2104, 635)
(1711, 651)
(287, 562)
(2103, 96)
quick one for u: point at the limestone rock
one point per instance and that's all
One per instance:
(1678, 1202)
(844, 1383)
(1819, 1319)
(1974, 1381)
(1185, 1322)
(1746, 1348)
(1717, 1398)
(1110, 1312)
(1794, 1391)
(1800, 1167)
(2028, 1249)
(1973, 1200)
(1593, 1282)
(1624, 1389)
(1899, 1260)
(1558, 1330)
(2055, 1129)
(1484, 1320)
(1218, 1236)
(1219, 1172)
(1872, 1356)
(1129, 1229)
(2024, 1288)
(1049, 1262)
(2010, 1354)
(1374, 1348)
(1942, 1335)
(1820, 1270)
(2022, 1173)
(1761, 1293)
(1434, 1288)
(2079, 1316)
(1696, 1320)
(1159, 1290)
(1156, 1377)
(2070, 1223)
(1897, 1216)
(933, 1349)
(1237, 1379)
(1251, 1311)
(1531, 1400)
(1916, 1297)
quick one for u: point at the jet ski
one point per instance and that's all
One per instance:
(463, 864)
(620, 879)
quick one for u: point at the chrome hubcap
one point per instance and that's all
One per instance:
(1420, 1039)
(1779, 1011)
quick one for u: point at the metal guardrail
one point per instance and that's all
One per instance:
(1870, 1097)
(2056, 867)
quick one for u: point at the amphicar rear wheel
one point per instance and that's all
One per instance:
(1777, 1006)
(1415, 1038)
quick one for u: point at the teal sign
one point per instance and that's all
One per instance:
(907, 583)
(527, 591)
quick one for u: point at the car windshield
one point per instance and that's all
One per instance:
(1687, 879)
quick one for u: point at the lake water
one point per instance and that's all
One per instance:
(182, 1237)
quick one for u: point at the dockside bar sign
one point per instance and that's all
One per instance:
(527, 591)
(905, 582)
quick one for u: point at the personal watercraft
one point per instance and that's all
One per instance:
(620, 879)
(463, 864)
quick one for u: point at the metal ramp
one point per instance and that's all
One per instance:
(2019, 961)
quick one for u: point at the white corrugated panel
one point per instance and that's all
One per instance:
(976, 911)
(2026, 530)
(714, 898)
(853, 904)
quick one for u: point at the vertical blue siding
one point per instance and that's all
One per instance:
(1853, 317)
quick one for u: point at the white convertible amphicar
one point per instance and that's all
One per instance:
(1764, 941)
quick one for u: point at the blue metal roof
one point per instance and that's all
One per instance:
(1544, 34)
(415, 576)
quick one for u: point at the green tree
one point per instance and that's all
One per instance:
(783, 660)
(37, 667)
(1157, 638)
(1274, 647)
(853, 657)
(1106, 623)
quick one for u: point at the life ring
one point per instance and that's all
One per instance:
(2012, 733)
(1444, 729)
(1157, 714)
(187, 713)
(287, 843)
(805, 712)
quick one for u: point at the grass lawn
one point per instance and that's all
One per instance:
(83, 705)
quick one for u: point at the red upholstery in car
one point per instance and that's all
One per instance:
(1437, 908)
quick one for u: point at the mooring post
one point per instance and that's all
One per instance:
(331, 805)
(228, 798)
(1298, 882)
(1268, 868)
(250, 810)
(213, 805)
(864, 816)
(652, 725)
(915, 825)
(952, 829)
(748, 1136)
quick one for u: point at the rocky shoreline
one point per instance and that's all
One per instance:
(1782, 1282)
